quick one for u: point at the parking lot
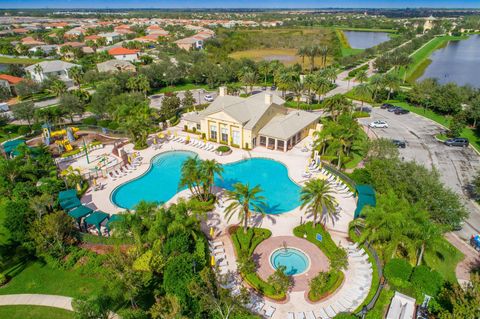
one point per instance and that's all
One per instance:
(456, 165)
(156, 100)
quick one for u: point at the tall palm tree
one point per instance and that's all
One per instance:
(249, 79)
(323, 50)
(242, 198)
(330, 74)
(322, 86)
(38, 70)
(297, 89)
(58, 88)
(335, 104)
(312, 52)
(302, 52)
(190, 175)
(361, 76)
(377, 83)
(317, 197)
(364, 91)
(208, 169)
(264, 69)
(392, 82)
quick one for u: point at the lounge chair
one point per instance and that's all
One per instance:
(269, 311)
(258, 307)
(321, 314)
(310, 315)
(112, 177)
(290, 315)
(300, 315)
(330, 312)
(219, 250)
(306, 175)
(223, 263)
(216, 243)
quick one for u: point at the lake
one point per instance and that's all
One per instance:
(458, 62)
(365, 39)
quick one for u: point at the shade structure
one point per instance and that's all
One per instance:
(79, 212)
(111, 221)
(95, 219)
(67, 194)
(70, 203)
(366, 196)
(12, 145)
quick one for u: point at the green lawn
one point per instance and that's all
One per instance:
(7, 60)
(468, 132)
(350, 51)
(446, 263)
(420, 58)
(37, 278)
(367, 29)
(34, 312)
(182, 87)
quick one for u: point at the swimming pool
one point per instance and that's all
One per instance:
(295, 261)
(160, 182)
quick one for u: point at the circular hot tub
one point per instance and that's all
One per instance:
(294, 260)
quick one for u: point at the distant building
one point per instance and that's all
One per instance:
(111, 37)
(47, 48)
(30, 42)
(41, 71)
(9, 82)
(190, 43)
(116, 66)
(124, 54)
(401, 307)
(259, 120)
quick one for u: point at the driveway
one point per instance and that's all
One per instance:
(456, 165)
(156, 99)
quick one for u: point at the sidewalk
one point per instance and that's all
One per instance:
(37, 300)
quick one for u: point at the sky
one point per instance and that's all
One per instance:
(5, 4)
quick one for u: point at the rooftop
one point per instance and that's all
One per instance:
(122, 51)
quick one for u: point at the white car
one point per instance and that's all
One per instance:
(208, 98)
(378, 124)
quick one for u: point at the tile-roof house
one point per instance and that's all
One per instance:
(29, 41)
(124, 54)
(259, 120)
(43, 70)
(116, 66)
(9, 82)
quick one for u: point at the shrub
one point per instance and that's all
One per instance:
(92, 120)
(179, 243)
(324, 284)
(426, 281)
(360, 114)
(361, 176)
(345, 316)
(3, 279)
(73, 152)
(24, 130)
(223, 149)
(398, 271)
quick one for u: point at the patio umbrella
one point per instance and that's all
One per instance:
(188, 138)
(211, 232)
(155, 140)
(212, 261)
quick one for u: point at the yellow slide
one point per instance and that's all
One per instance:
(67, 145)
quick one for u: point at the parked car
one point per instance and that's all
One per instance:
(457, 141)
(399, 144)
(273, 88)
(401, 111)
(208, 98)
(378, 124)
(386, 106)
(393, 108)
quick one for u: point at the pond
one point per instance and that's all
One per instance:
(458, 62)
(365, 39)
(3, 67)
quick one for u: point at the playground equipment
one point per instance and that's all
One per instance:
(67, 134)
(65, 144)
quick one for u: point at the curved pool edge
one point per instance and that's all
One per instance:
(294, 248)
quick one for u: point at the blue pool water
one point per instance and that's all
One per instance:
(293, 259)
(160, 182)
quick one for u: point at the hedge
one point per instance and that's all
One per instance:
(397, 272)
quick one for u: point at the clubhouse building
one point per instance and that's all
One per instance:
(258, 120)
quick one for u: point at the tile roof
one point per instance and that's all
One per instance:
(10, 78)
(122, 51)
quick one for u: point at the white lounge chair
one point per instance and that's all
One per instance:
(258, 307)
(322, 314)
(269, 311)
(216, 243)
(290, 315)
(300, 315)
(219, 250)
(310, 315)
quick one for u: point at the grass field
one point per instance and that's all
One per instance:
(7, 60)
(367, 29)
(34, 312)
(420, 59)
(39, 278)
(286, 56)
(468, 132)
(447, 264)
(345, 46)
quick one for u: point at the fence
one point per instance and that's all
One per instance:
(340, 174)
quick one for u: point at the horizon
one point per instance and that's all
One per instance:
(247, 4)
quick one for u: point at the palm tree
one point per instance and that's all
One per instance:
(208, 169)
(312, 52)
(377, 83)
(243, 198)
(249, 79)
(58, 88)
(323, 50)
(392, 82)
(190, 175)
(363, 91)
(361, 76)
(264, 68)
(76, 74)
(317, 197)
(297, 89)
(38, 70)
(322, 86)
(330, 74)
(335, 104)
(302, 52)
(73, 176)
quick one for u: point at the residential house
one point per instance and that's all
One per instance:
(189, 43)
(111, 37)
(124, 54)
(259, 120)
(47, 49)
(30, 42)
(75, 32)
(116, 66)
(41, 71)
(9, 82)
(150, 38)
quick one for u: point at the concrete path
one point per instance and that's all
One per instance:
(37, 300)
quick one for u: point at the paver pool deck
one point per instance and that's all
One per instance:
(317, 260)
(280, 225)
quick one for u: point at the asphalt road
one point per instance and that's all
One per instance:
(457, 165)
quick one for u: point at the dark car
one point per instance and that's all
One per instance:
(401, 111)
(273, 88)
(393, 108)
(386, 106)
(457, 141)
(399, 144)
